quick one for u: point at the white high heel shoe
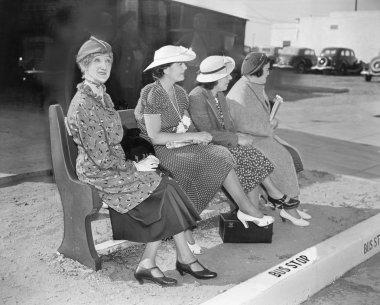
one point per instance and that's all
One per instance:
(195, 248)
(303, 214)
(260, 222)
(296, 221)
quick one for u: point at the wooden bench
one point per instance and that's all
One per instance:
(80, 201)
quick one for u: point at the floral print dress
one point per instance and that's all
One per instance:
(97, 130)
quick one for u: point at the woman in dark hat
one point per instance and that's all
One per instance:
(209, 112)
(149, 206)
(200, 169)
(250, 110)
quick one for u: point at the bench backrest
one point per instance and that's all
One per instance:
(63, 149)
(128, 118)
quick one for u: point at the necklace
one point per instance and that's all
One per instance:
(221, 118)
(172, 97)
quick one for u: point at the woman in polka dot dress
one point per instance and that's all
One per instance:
(199, 167)
(209, 112)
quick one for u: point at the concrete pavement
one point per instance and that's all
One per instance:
(25, 153)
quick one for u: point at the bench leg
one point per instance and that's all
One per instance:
(78, 243)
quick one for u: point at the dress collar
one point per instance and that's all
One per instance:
(91, 90)
(98, 89)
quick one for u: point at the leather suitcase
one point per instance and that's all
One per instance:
(231, 230)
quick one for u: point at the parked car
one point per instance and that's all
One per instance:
(340, 60)
(299, 59)
(372, 68)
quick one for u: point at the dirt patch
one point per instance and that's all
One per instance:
(31, 272)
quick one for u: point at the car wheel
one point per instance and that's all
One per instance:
(343, 69)
(323, 61)
(301, 68)
(368, 78)
(375, 65)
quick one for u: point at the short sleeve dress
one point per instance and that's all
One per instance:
(199, 169)
(148, 207)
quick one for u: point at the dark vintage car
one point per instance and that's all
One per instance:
(339, 60)
(371, 69)
(299, 59)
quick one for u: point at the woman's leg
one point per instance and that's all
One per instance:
(184, 254)
(147, 269)
(274, 192)
(189, 237)
(194, 247)
(148, 259)
(253, 197)
(234, 188)
(187, 263)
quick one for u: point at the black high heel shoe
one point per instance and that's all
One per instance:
(146, 274)
(204, 274)
(283, 204)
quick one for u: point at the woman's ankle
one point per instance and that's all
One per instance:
(146, 264)
(293, 212)
(252, 212)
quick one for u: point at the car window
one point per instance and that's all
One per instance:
(290, 51)
(347, 53)
(329, 52)
(307, 52)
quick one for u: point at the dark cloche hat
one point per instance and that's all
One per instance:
(253, 62)
(92, 46)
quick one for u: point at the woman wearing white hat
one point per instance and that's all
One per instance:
(209, 112)
(164, 120)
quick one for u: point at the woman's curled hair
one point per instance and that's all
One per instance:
(208, 86)
(158, 72)
(85, 62)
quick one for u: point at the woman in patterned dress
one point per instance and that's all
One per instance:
(199, 168)
(149, 207)
(209, 112)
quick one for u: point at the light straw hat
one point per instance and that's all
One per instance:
(214, 68)
(170, 54)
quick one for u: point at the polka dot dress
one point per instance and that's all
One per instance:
(199, 169)
(252, 166)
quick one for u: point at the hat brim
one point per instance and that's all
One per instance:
(209, 78)
(179, 58)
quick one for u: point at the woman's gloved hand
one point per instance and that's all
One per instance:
(148, 164)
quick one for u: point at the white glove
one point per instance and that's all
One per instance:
(148, 164)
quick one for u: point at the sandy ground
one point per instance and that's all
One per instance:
(31, 272)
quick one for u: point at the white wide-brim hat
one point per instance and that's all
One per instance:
(170, 54)
(214, 68)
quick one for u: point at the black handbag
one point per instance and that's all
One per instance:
(231, 230)
(137, 148)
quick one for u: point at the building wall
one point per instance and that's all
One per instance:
(356, 30)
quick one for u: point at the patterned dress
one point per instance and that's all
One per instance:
(199, 169)
(143, 205)
(211, 114)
